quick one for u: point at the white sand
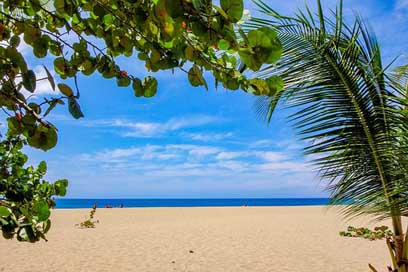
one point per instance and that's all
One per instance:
(222, 239)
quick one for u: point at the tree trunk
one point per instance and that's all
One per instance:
(398, 246)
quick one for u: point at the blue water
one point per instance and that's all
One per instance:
(64, 203)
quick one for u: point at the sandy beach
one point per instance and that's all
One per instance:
(197, 239)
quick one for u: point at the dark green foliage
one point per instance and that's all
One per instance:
(166, 35)
(26, 199)
(378, 233)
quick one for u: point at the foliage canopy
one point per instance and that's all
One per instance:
(86, 37)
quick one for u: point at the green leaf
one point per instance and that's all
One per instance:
(42, 168)
(74, 108)
(195, 76)
(50, 78)
(249, 59)
(60, 66)
(29, 81)
(275, 84)
(60, 187)
(59, 5)
(52, 104)
(14, 127)
(149, 86)
(276, 48)
(223, 44)
(40, 47)
(15, 41)
(65, 90)
(4, 212)
(189, 53)
(137, 87)
(234, 9)
(260, 87)
(263, 47)
(44, 138)
(123, 81)
(31, 34)
(42, 210)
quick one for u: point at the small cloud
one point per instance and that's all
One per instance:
(281, 144)
(262, 143)
(153, 129)
(228, 155)
(208, 137)
(290, 166)
(203, 151)
(271, 156)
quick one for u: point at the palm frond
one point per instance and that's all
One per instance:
(348, 108)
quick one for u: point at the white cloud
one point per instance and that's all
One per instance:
(23, 48)
(189, 170)
(208, 137)
(183, 160)
(271, 156)
(263, 143)
(136, 129)
(291, 166)
(228, 155)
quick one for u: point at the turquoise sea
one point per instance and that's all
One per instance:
(67, 203)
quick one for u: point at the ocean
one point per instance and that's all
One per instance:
(67, 203)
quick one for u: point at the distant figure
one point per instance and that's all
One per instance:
(121, 205)
(108, 206)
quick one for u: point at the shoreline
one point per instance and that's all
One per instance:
(198, 202)
(194, 207)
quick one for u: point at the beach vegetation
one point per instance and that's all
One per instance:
(89, 223)
(378, 233)
(25, 197)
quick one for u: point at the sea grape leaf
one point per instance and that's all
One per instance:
(42, 210)
(44, 138)
(195, 76)
(234, 9)
(60, 66)
(123, 81)
(65, 89)
(149, 86)
(40, 47)
(4, 211)
(42, 167)
(60, 187)
(275, 84)
(263, 47)
(52, 104)
(137, 87)
(50, 78)
(74, 108)
(29, 80)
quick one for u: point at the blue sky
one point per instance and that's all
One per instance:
(187, 142)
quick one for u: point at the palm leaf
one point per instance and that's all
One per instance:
(348, 108)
